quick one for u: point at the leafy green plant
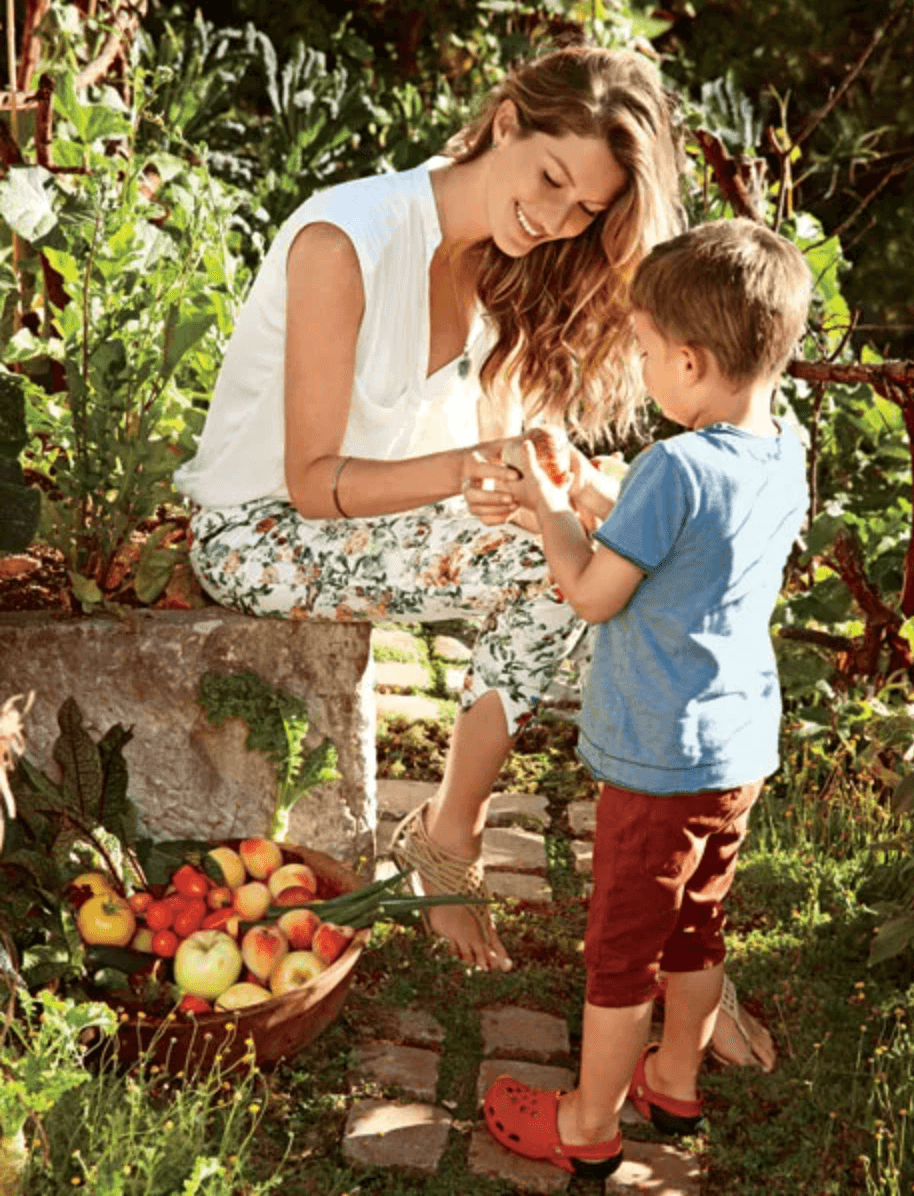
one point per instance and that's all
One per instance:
(278, 726)
(19, 504)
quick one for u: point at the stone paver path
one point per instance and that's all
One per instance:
(412, 1131)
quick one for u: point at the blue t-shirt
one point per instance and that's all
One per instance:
(683, 692)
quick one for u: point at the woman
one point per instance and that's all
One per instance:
(350, 462)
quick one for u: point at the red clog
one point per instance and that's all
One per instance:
(669, 1116)
(524, 1120)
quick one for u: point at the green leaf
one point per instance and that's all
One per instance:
(155, 566)
(892, 938)
(85, 589)
(24, 202)
(182, 335)
(80, 760)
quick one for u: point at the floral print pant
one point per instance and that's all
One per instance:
(434, 563)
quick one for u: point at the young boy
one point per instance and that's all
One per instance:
(681, 709)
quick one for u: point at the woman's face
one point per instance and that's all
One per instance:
(544, 188)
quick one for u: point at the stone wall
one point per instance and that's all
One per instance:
(187, 778)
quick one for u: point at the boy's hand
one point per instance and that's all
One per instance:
(535, 490)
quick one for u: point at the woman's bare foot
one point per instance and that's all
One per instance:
(742, 1042)
(465, 938)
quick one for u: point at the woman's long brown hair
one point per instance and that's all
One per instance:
(561, 313)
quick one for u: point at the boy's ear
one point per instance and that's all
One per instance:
(693, 363)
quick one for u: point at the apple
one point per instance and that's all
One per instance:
(330, 941)
(295, 970)
(299, 925)
(240, 995)
(552, 452)
(292, 876)
(261, 948)
(261, 857)
(252, 900)
(293, 895)
(229, 861)
(206, 963)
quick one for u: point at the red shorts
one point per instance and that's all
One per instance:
(662, 865)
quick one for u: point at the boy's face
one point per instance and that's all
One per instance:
(662, 368)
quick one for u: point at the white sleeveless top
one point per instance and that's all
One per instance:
(396, 411)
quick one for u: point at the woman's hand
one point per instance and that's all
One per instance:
(486, 483)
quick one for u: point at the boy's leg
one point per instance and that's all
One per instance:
(610, 1045)
(690, 1010)
(693, 955)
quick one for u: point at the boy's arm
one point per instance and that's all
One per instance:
(598, 584)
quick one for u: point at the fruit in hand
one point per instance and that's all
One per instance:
(206, 963)
(330, 941)
(231, 864)
(261, 949)
(299, 925)
(261, 857)
(241, 995)
(106, 919)
(292, 876)
(552, 452)
(295, 970)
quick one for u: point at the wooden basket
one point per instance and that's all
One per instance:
(271, 1031)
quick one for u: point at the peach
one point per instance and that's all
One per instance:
(252, 900)
(296, 970)
(552, 452)
(293, 895)
(299, 925)
(330, 941)
(261, 857)
(261, 948)
(242, 994)
(292, 876)
(223, 919)
(219, 897)
(230, 863)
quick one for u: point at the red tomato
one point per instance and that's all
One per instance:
(189, 882)
(140, 902)
(159, 915)
(188, 919)
(191, 1004)
(165, 943)
(176, 900)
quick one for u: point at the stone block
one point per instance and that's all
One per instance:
(510, 1032)
(657, 1168)
(413, 1027)
(583, 856)
(582, 817)
(487, 1158)
(411, 706)
(397, 798)
(396, 643)
(187, 778)
(402, 675)
(449, 648)
(506, 809)
(514, 848)
(413, 1069)
(382, 1133)
(521, 885)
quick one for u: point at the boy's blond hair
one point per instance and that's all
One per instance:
(730, 286)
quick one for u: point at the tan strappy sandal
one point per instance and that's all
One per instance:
(729, 1003)
(411, 848)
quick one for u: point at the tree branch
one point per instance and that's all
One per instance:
(728, 173)
(884, 377)
(813, 121)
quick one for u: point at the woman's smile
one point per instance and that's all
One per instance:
(525, 223)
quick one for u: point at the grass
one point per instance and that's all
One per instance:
(831, 1119)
